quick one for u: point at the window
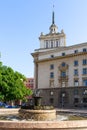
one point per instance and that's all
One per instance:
(51, 75)
(46, 44)
(63, 73)
(63, 64)
(51, 44)
(75, 63)
(84, 82)
(84, 49)
(56, 43)
(76, 100)
(84, 61)
(51, 30)
(63, 54)
(76, 92)
(85, 100)
(84, 71)
(76, 72)
(76, 51)
(52, 56)
(52, 66)
(51, 83)
(76, 83)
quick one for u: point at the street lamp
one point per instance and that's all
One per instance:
(51, 93)
(63, 95)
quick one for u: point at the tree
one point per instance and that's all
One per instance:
(12, 84)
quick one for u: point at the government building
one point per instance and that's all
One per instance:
(60, 71)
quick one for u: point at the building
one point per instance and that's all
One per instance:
(29, 83)
(60, 70)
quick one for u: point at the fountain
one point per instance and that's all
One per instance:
(40, 116)
(37, 117)
(35, 111)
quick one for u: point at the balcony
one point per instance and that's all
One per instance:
(63, 67)
(63, 78)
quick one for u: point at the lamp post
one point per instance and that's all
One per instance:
(51, 93)
(63, 95)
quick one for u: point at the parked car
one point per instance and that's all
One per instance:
(2, 104)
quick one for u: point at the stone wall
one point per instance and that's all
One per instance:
(43, 125)
(56, 99)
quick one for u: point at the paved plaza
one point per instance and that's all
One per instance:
(82, 111)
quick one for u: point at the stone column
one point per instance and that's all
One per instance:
(36, 75)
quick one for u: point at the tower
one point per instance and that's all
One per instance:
(54, 38)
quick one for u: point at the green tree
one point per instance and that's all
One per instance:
(12, 84)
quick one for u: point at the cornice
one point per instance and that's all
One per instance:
(50, 50)
(78, 45)
(61, 57)
(59, 49)
(51, 36)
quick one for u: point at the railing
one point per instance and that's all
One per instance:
(63, 78)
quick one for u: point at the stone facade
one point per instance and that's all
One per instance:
(62, 69)
(64, 97)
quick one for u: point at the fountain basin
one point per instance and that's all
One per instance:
(46, 125)
(38, 115)
(41, 125)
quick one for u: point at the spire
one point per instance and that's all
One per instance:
(53, 22)
(53, 28)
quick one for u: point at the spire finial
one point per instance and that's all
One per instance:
(53, 28)
(53, 6)
(53, 22)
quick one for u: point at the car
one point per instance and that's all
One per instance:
(2, 104)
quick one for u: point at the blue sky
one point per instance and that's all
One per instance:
(22, 21)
